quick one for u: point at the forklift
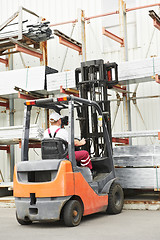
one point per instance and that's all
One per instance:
(55, 188)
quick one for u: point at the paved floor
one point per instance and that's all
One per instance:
(130, 224)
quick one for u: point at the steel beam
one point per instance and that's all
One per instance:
(32, 145)
(119, 88)
(113, 36)
(25, 96)
(28, 51)
(8, 53)
(5, 148)
(69, 91)
(156, 24)
(5, 61)
(70, 45)
(120, 140)
(28, 95)
(156, 19)
(68, 42)
(5, 104)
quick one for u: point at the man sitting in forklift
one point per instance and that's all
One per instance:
(55, 130)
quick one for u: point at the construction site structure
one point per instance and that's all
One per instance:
(91, 85)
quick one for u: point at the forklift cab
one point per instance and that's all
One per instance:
(55, 187)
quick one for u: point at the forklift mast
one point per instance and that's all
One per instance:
(93, 84)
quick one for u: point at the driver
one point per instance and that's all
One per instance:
(55, 130)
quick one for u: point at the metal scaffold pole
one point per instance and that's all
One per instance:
(44, 62)
(81, 22)
(11, 123)
(126, 96)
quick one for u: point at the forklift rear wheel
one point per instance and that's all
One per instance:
(115, 199)
(72, 213)
(23, 222)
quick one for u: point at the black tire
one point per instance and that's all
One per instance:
(115, 199)
(23, 222)
(72, 213)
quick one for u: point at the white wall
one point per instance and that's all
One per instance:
(143, 41)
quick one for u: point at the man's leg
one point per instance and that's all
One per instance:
(84, 158)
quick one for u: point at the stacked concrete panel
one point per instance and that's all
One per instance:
(12, 135)
(64, 79)
(29, 79)
(45, 78)
(137, 167)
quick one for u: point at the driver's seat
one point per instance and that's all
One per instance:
(54, 148)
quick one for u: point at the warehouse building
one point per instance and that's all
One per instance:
(126, 33)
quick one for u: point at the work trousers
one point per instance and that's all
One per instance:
(84, 158)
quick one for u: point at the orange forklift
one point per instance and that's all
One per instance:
(54, 187)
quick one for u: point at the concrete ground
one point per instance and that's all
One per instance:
(130, 224)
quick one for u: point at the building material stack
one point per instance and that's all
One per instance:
(137, 167)
(13, 134)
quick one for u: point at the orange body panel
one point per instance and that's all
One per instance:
(63, 185)
(66, 183)
(92, 201)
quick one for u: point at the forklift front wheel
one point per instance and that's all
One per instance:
(23, 222)
(72, 213)
(115, 199)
